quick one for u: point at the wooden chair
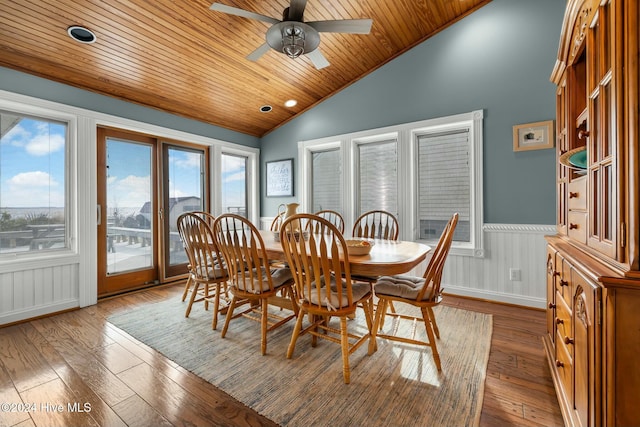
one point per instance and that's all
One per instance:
(252, 280)
(333, 217)
(187, 285)
(376, 224)
(277, 221)
(206, 267)
(320, 267)
(422, 292)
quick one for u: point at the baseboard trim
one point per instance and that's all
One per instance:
(518, 300)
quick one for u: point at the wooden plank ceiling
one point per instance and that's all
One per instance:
(181, 57)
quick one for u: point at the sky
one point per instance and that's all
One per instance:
(32, 156)
(32, 164)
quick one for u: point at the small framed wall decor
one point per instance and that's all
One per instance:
(280, 178)
(533, 136)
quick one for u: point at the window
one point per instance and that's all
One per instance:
(378, 176)
(326, 180)
(234, 184)
(422, 172)
(33, 184)
(444, 184)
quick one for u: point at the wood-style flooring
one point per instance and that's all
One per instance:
(75, 369)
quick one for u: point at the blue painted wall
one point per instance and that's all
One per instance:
(26, 84)
(498, 59)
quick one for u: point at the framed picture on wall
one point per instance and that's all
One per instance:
(280, 178)
(533, 136)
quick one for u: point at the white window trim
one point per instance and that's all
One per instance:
(406, 136)
(69, 253)
(82, 182)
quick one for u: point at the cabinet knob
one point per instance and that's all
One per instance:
(564, 282)
(559, 364)
(559, 321)
(573, 226)
(568, 340)
(572, 195)
(583, 134)
(552, 305)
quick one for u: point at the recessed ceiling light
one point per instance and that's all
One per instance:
(290, 103)
(81, 34)
(266, 109)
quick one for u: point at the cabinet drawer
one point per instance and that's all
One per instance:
(577, 196)
(578, 226)
(563, 284)
(564, 366)
(563, 323)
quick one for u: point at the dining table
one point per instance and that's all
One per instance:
(386, 258)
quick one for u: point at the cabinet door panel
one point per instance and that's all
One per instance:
(586, 315)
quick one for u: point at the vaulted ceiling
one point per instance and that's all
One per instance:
(182, 57)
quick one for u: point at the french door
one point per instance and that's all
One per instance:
(144, 184)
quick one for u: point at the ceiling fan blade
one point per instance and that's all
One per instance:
(318, 59)
(296, 10)
(241, 12)
(351, 26)
(256, 54)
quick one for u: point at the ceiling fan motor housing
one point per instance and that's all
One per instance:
(293, 38)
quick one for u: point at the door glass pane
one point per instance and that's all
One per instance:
(234, 184)
(130, 218)
(607, 203)
(326, 181)
(186, 194)
(32, 184)
(378, 183)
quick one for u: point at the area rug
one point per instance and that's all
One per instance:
(398, 385)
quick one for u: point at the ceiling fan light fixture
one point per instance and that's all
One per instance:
(292, 41)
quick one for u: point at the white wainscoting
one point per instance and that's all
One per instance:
(28, 293)
(507, 246)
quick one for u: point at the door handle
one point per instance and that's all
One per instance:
(99, 214)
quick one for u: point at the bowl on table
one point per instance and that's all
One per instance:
(359, 247)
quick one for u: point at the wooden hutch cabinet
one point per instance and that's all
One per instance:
(593, 277)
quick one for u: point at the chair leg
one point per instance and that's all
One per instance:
(194, 292)
(346, 371)
(263, 326)
(216, 306)
(433, 322)
(232, 307)
(295, 334)
(380, 311)
(368, 314)
(187, 285)
(432, 340)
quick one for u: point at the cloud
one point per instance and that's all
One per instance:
(132, 191)
(188, 160)
(233, 163)
(238, 176)
(40, 140)
(29, 180)
(32, 189)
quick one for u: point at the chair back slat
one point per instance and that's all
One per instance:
(333, 217)
(377, 224)
(243, 250)
(320, 263)
(433, 273)
(197, 237)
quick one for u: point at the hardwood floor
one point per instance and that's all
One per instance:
(75, 369)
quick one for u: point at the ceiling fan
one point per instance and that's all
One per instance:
(294, 37)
